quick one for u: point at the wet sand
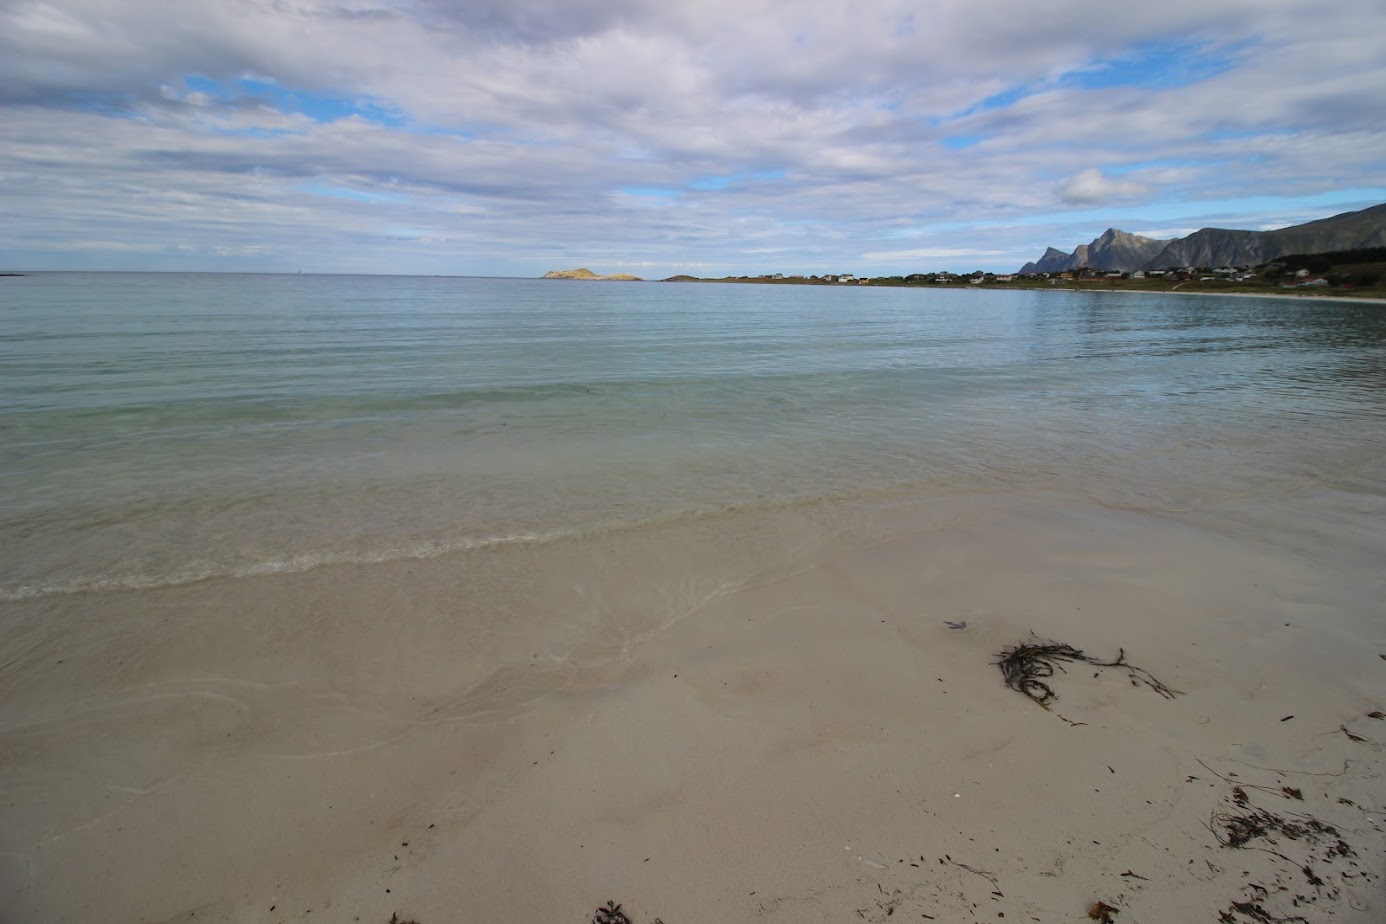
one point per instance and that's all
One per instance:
(787, 715)
(1298, 296)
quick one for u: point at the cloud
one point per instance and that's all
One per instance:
(926, 253)
(1093, 187)
(509, 131)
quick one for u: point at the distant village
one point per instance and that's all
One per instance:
(1276, 275)
(1343, 254)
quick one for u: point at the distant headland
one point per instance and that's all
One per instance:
(1119, 251)
(583, 272)
(1341, 255)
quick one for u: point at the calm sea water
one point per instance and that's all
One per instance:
(163, 428)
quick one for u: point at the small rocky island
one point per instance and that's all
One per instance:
(583, 272)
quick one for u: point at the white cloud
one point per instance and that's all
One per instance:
(1093, 187)
(503, 131)
(927, 253)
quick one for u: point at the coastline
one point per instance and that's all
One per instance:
(1283, 296)
(784, 716)
(1340, 299)
(1031, 287)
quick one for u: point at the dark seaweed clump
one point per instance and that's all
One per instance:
(1237, 829)
(611, 913)
(1027, 666)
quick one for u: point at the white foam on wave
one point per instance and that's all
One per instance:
(423, 550)
(293, 564)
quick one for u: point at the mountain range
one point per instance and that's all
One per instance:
(1118, 251)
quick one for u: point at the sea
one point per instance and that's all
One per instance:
(167, 429)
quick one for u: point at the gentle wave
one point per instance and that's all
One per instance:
(432, 549)
(295, 564)
(164, 430)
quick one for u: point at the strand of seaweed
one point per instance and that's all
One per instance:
(1257, 913)
(1240, 787)
(1244, 826)
(1244, 763)
(1026, 666)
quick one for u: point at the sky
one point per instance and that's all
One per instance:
(511, 137)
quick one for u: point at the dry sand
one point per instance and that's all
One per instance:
(757, 717)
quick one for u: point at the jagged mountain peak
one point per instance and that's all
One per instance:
(1114, 249)
(1121, 250)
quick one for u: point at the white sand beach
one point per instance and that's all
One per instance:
(784, 716)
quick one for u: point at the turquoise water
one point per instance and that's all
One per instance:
(163, 428)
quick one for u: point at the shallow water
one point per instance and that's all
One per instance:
(717, 536)
(164, 428)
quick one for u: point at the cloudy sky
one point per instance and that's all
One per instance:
(509, 137)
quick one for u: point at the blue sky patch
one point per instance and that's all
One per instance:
(1161, 65)
(961, 142)
(1003, 100)
(320, 107)
(355, 195)
(1157, 66)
